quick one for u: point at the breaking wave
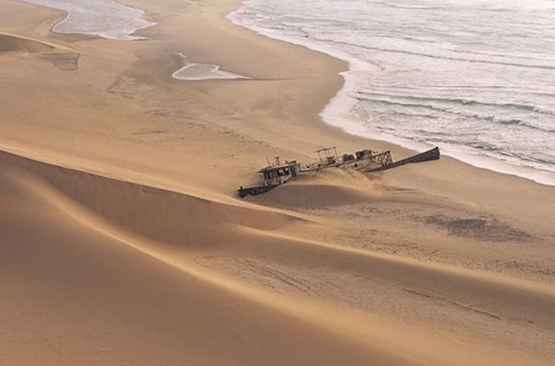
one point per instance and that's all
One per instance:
(475, 78)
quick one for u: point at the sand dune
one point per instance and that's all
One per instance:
(12, 43)
(65, 282)
(164, 216)
(324, 189)
(183, 315)
(60, 56)
(85, 227)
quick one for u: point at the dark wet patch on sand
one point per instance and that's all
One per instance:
(481, 228)
(66, 61)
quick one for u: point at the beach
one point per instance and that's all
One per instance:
(470, 77)
(124, 242)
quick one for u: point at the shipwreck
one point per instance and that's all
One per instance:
(365, 161)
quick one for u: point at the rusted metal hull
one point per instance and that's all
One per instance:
(429, 155)
(255, 191)
(366, 161)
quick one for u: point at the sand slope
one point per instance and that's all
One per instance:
(83, 253)
(13, 43)
(61, 57)
(65, 281)
(122, 240)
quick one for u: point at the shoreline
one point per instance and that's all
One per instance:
(332, 113)
(303, 110)
(451, 177)
(335, 113)
(494, 193)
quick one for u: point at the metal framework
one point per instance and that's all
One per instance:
(278, 173)
(383, 159)
(326, 153)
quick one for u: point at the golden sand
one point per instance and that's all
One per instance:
(122, 241)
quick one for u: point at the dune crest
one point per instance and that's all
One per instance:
(61, 57)
(14, 43)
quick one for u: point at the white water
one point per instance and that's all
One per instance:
(103, 18)
(475, 77)
(194, 72)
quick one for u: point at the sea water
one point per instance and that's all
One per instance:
(109, 19)
(193, 71)
(103, 18)
(475, 77)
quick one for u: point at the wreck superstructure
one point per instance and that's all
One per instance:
(365, 161)
(273, 175)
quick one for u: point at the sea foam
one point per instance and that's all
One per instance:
(473, 77)
(195, 72)
(103, 18)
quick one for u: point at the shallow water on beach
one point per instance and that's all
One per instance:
(196, 72)
(475, 77)
(104, 18)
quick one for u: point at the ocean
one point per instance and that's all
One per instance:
(474, 77)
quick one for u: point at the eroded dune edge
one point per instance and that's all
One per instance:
(13, 43)
(61, 57)
(88, 237)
